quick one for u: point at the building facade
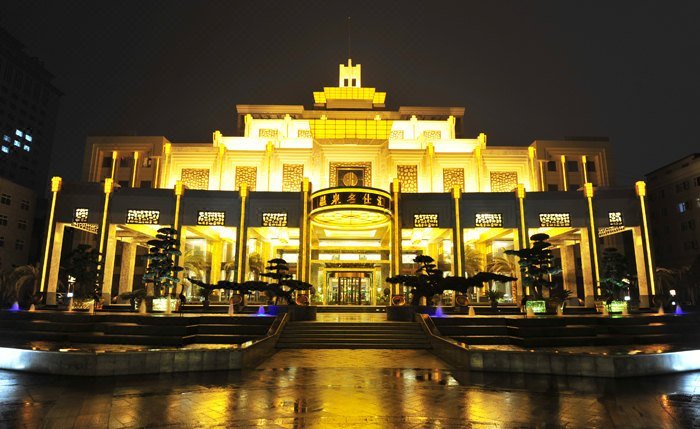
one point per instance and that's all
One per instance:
(675, 215)
(28, 109)
(348, 192)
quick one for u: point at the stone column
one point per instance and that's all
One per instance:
(242, 236)
(55, 264)
(217, 249)
(568, 269)
(126, 270)
(108, 270)
(640, 263)
(587, 270)
(56, 183)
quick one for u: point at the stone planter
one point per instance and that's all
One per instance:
(296, 313)
(538, 306)
(160, 305)
(617, 307)
(80, 304)
(404, 313)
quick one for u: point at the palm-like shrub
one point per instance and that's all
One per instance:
(616, 278)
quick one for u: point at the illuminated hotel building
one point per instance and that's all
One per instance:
(349, 193)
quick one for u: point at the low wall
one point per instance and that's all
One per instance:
(559, 363)
(153, 361)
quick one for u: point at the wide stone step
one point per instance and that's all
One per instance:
(473, 330)
(353, 346)
(484, 340)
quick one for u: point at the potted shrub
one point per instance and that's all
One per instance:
(615, 280)
(135, 297)
(429, 282)
(162, 270)
(80, 267)
(536, 267)
(494, 295)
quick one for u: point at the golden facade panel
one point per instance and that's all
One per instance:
(452, 177)
(292, 175)
(425, 220)
(195, 178)
(350, 174)
(145, 217)
(274, 219)
(211, 218)
(489, 220)
(555, 220)
(268, 133)
(408, 175)
(503, 181)
(432, 134)
(247, 175)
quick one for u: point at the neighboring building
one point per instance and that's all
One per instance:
(17, 205)
(675, 211)
(28, 109)
(348, 193)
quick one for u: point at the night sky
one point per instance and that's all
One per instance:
(524, 70)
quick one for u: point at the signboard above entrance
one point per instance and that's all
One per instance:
(357, 198)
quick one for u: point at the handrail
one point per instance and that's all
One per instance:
(431, 330)
(274, 330)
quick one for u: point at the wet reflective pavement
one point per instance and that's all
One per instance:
(348, 388)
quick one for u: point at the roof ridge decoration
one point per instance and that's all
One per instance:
(349, 94)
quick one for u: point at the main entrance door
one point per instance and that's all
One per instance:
(349, 288)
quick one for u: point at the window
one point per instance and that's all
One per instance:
(147, 161)
(5, 149)
(124, 162)
(123, 183)
(574, 186)
(3, 220)
(590, 166)
(145, 184)
(2, 241)
(24, 205)
(697, 181)
(552, 188)
(19, 133)
(7, 138)
(28, 137)
(551, 166)
(686, 185)
(17, 143)
(107, 162)
(19, 245)
(682, 207)
(572, 166)
(26, 148)
(22, 225)
(5, 199)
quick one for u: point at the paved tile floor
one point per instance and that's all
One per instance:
(348, 388)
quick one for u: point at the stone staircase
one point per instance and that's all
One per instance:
(353, 335)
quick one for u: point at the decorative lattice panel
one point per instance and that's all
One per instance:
(292, 175)
(365, 166)
(247, 175)
(425, 220)
(304, 134)
(432, 134)
(195, 178)
(408, 175)
(92, 228)
(503, 181)
(274, 219)
(452, 177)
(148, 217)
(268, 133)
(489, 220)
(555, 220)
(396, 135)
(80, 215)
(211, 218)
(615, 219)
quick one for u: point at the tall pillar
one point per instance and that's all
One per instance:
(56, 183)
(543, 182)
(587, 270)
(241, 235)
(568, 269)
(104, 226)
(477, 155)
(108, 270)
(563, 173)
(640, 263)
(179, 190)
(588, 193)
(584, 168)
(531, 160)
(458, 246)
(126, 269)
(217, 249)
(219, 167)
(395, 236)
(641, 190)
(135, 169)
(431, 162)
(269, 148)
(523, 239)
(304, 265)
(165, 174)
(55, 264)
(113, 171)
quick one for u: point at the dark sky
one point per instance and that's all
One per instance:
(524, 70)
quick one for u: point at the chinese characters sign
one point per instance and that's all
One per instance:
(361, 198)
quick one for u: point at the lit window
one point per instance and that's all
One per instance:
(17, 143)
(6, 149)
(7, 138)
(682, 207)
(28, 137)
(5, 199)
(19, 133)
(27, 148)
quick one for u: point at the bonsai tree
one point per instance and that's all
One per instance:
(162, 271)
(429, 281)
(285, 287)
(615, 279)
(536, 265)
(80, 267)
(494, 295)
